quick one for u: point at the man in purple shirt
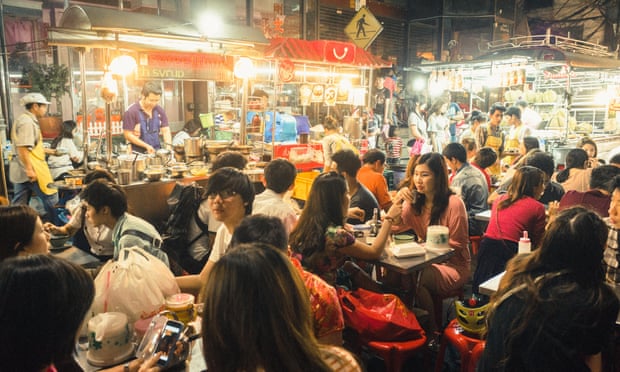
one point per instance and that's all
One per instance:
(145, 120)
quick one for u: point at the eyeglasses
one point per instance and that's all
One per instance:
(224, 194)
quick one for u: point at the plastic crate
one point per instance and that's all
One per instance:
(305, 157)
(303, 183)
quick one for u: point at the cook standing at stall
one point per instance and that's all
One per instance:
(145, 120)
(28, 169)
(190, 129)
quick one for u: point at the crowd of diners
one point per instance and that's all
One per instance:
(553, 309)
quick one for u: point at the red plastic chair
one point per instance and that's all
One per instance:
(469, 347)
(395, 354)
(476, 353)
(475, 243)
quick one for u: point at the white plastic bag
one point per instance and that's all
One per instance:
(136, 285)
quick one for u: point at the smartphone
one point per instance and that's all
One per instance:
(168, 343)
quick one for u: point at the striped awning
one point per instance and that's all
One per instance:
(323, 52)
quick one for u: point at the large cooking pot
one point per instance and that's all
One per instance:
(193, 147)
(135, 163)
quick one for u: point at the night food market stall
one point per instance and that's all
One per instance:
(573, 85)
(322, 77)
(95, 35)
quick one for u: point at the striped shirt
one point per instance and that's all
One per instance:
(393, 146)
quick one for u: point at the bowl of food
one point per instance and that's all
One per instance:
(58, 241)
(178, 170)
(198, 168)
(153, 174)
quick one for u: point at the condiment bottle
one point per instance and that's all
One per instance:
(374, 227)
(525, 245)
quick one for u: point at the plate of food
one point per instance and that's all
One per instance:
(407, 250)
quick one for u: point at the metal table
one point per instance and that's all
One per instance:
(409, 269)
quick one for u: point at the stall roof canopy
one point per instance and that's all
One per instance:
(552, 55)
(99, 27)
(323, 52)
(541, 49)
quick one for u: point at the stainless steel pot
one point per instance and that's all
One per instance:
(153, 160)
(193, 147)
(135, 163)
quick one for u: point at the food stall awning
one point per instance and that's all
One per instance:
(542, 50)
(323, 52)
(100, 27)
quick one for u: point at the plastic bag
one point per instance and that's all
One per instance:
(378, 317)
(136, 285)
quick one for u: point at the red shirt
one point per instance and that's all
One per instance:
(526, 214)
(592, 199)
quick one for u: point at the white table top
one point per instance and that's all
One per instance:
(483, 216)
(490, 286)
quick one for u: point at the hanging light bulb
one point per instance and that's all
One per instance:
(123, 65)
(109, 88)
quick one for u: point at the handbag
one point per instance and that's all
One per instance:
(136, 285)
(378, 317)
(416, 149)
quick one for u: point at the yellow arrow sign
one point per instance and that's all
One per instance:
(363, 28)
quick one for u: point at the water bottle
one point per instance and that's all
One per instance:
(525, 245)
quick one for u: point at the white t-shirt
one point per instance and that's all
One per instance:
(99, 237)
(62, 163)
(220, 244)
(271, 204)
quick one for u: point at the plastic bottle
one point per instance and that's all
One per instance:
(525, 245)
(374, 228)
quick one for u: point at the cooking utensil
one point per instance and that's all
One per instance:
(193, 146)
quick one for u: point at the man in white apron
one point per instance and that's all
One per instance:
(28, 170)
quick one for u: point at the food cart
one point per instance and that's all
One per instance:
(573, 85)
(319, 77)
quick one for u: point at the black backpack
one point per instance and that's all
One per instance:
(184, 202)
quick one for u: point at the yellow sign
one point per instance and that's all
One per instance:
(363, 28)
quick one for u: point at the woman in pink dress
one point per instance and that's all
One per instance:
(429, 201)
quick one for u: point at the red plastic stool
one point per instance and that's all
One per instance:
(438, 303)
(476, 353)
(395, 354)
(469, 348)
(475, 243)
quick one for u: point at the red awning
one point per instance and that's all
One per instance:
(323, 51)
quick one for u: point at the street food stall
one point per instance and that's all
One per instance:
(573, 85)
(185, 60)
(315, 78)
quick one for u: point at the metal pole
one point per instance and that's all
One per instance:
(244, 112)
(85, 141)
(273, 120)
(108, 132)
(7, 110)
